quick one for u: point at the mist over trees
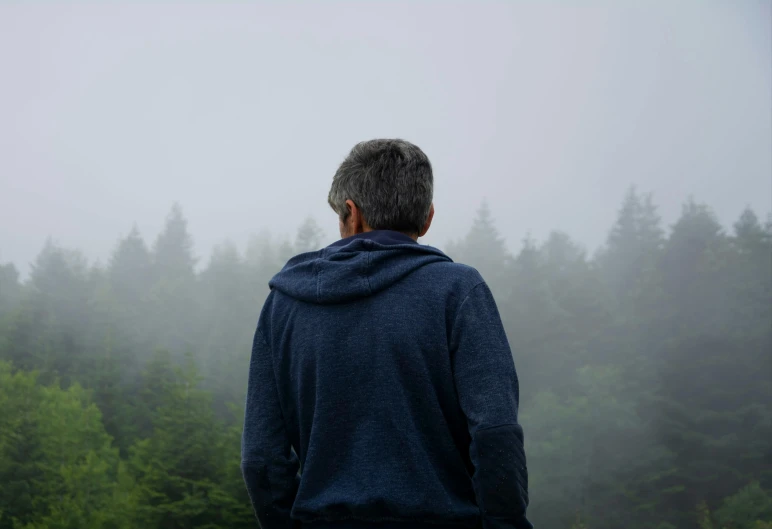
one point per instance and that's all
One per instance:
(645, 373)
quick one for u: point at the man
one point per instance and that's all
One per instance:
(382, 390)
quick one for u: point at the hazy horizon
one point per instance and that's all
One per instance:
(241, 114)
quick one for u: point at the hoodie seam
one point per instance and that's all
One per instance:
(466, 298)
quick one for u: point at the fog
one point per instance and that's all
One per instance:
(606, 168)
(242, 112)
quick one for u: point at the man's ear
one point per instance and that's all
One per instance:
(354, 222)
(428, 222)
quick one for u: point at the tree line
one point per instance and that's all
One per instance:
(645, 371)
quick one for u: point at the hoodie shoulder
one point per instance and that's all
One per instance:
(458, 277)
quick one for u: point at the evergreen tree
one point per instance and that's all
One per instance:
(10, 289)
(309, 237)
(155, 389)
(700, 412)
(181, 467)
(173, 308)
(748, 508)
(173, 250)
(284, 253)
(10, 294)
(57, 466)
(263, 262)
(555, 298)
(586, 451)
(529, 315)
(633, 248)
(694, 269)
(631, 267)
(230, 312)
(45, 332)
(485, 250)
(751, 277)
(580, 332)
(130, 271)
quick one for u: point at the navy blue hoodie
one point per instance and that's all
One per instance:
(382, 392)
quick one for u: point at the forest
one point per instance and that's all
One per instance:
(645, 371)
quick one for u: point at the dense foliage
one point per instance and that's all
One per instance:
(646, 375)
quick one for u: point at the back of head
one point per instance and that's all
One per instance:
(390, 181)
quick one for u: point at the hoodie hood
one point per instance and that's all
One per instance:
(354, 268)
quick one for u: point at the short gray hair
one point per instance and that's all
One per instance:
(390, 181)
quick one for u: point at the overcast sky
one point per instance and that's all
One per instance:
(110, 113)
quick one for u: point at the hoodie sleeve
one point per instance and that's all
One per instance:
(268, 464)
(488, 393)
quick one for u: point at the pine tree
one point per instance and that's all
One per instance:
(263, 262)
(46, 332)
(751, 271)
(180, 468)
(630, 262)
(130, 270)
(57, 466)
(631, 269)
(529, 314)
(173, 308)
(485, 250)
(748, 508)
(230, 306)
(583, 318)
(309, 236)
(10, 295)
(555, 297)
(173, 250)
(10, 289)
(155, 388)
(579, 445)
(284, 253)
(700, 413)
(695, 268)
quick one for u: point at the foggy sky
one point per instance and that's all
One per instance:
(110, 113)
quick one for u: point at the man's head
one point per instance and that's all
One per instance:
(383, 185)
